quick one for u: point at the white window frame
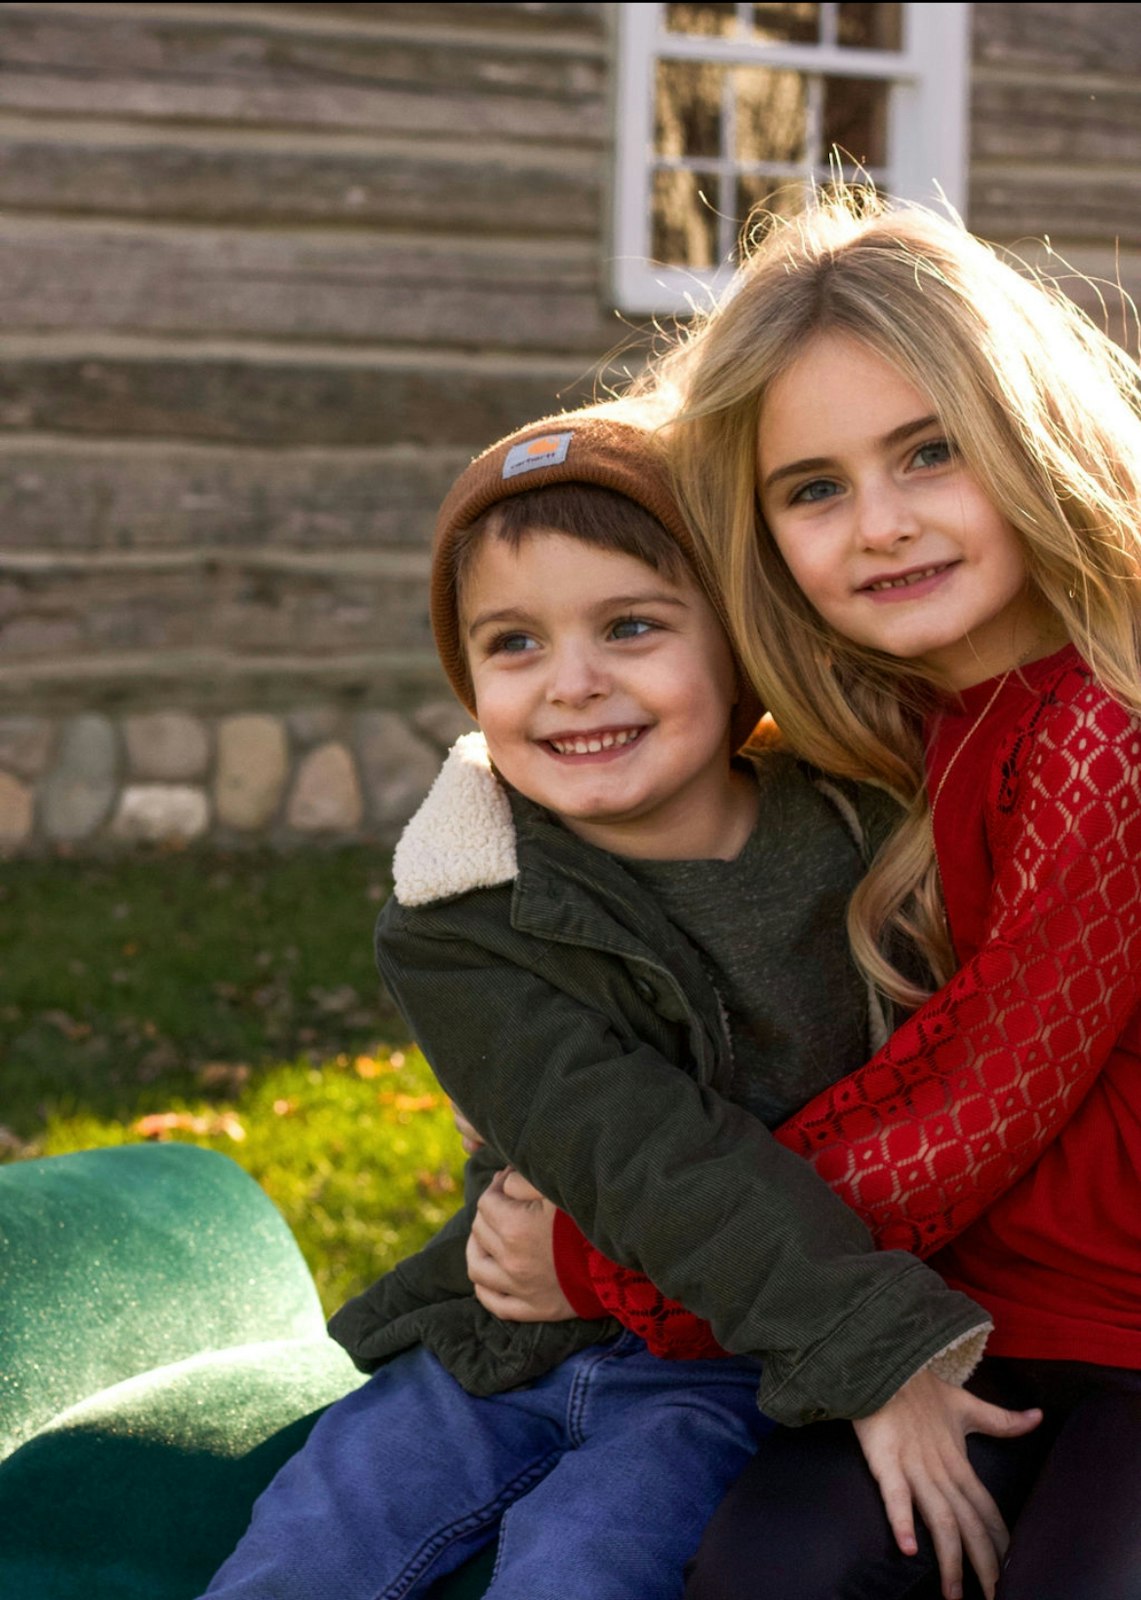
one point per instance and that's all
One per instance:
(926, 135)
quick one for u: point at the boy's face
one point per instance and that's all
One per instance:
(604, 690)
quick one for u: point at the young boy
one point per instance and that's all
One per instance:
(624, 954)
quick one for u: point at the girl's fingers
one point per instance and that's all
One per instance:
(974, 1538)
(896, 1494)
(998, 1421)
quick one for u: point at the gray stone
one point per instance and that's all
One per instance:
(16, 812)
(166, 745)
(25, 744)
(326, 795)
(252, 764)
(443, 722)
(314, 724)
(78, 792)
(397, 765)
(161, 811)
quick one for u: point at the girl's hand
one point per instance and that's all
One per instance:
(915, 1446)
(510, 1259)
(470, 1138)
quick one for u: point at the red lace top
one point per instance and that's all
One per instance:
(1037, 825)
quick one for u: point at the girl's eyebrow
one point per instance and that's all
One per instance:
(612, 602)
(900, 435)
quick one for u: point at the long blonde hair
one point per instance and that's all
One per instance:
(1043, 409)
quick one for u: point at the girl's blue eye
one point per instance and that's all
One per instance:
(935, 453)
(818, 489)
(631, 628)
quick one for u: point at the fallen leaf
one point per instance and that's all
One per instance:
(161, 1124)
(66, 1025)
(409, 1102)
(232, 1075)
(343, 998)
(435, 1182)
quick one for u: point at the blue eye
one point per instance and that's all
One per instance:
(511, 644)
(631, 628)
(935, 453)
(818, 489)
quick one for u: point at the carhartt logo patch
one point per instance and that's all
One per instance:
(545, 451)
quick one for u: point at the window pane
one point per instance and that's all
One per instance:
(772, 114)
(761, 199)
(787, 23)
(871, 27)
(855, 119)
(715, 19)
(684, 229)
(687, 108)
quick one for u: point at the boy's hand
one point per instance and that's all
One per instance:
(510, 1259)
(470, 1138)
(915, 1446)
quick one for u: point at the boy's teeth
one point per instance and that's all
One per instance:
(591, 746)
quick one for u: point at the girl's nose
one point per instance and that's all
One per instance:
(577, 675)
(885, 517)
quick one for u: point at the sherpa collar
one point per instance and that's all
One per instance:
(463, 836)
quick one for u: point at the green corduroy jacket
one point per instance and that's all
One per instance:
(576, 1026)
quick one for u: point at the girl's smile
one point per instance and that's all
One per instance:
(883, 526)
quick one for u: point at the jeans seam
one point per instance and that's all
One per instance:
(469, 1523)
(576, 1400)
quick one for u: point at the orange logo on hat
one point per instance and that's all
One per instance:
(539, 447)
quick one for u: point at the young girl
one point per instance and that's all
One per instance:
(918, 477)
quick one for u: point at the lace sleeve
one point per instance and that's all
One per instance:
(965, 1096)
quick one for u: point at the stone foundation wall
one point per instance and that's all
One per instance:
(101, 781)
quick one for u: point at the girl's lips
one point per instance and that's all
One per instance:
(599, 742)
(912, 584)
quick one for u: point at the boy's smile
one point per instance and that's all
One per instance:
(605, 690)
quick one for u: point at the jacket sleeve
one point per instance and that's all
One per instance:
(969, 1091)
(666, 1176)
(597, 1287)
(436, 1272)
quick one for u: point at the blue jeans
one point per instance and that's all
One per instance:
(600, 1478)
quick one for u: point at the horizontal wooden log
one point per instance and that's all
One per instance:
(68, 63)
(58, 496)
(1020, 121)
(243, 609)
(1058, 38)
(231, 399)
(205, 283)
(217, 680)
(403, 188)
(1078, 208)
(566, 17)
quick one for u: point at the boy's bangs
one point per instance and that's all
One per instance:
(596, 516)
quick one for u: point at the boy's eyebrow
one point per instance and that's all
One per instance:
(793, 469)
(611, 602)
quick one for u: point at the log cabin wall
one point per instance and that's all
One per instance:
(269, 275)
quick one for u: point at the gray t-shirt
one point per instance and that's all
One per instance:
(771, 932)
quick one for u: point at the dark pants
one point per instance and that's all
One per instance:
(805, 1520)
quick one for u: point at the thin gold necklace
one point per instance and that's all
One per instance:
(965, 740)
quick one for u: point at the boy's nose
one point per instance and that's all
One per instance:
(576, 676)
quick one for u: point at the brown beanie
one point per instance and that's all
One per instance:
(600, 446)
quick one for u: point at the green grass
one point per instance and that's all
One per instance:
(230, 1001)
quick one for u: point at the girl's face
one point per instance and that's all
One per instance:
(886, 531)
